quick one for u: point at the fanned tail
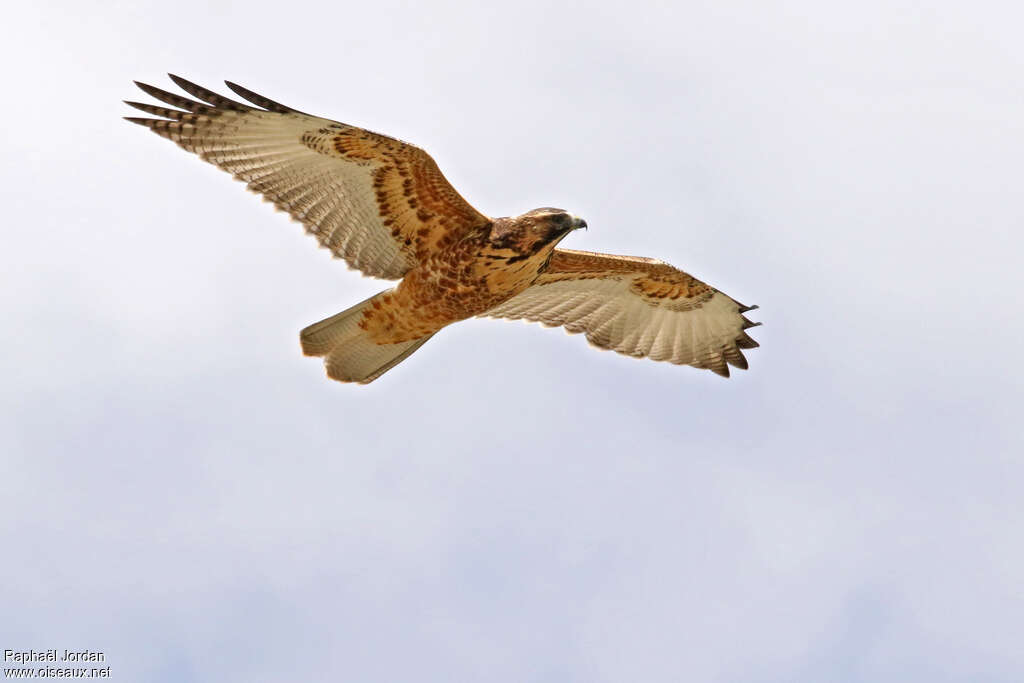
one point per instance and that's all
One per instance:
(349, 353)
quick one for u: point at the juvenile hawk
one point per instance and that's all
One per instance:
(384, 207)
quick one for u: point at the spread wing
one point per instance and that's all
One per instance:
(637, 306)
(379, 203)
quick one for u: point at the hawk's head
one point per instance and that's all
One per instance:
(534, 231)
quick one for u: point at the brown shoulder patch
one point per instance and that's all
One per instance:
(672, 287)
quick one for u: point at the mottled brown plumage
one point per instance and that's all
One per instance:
(384, 207)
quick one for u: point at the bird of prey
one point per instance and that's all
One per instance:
(384, 207)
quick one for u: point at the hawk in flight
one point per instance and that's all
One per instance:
(384, 207)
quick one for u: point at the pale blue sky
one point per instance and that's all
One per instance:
(186, 492)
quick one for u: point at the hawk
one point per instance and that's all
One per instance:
(384, 207)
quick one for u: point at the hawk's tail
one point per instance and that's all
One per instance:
(349, 353)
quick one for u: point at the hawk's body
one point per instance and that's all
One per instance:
(384, 206)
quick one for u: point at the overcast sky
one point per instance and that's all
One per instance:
(187, 493)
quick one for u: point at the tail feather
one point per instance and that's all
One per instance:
(350, 354)
(361, 360)
(319, 338)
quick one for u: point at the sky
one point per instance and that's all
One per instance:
(187, 493)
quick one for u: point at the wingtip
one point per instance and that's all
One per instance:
(747, 322)
(257, 99)
(146, 87)
(745, 341)
(179, 81)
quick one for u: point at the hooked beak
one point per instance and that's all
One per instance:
(578, 223)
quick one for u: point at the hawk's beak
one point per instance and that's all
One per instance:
(578, 223)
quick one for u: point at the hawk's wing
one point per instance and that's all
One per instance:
(379, 203)
(637, 306)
